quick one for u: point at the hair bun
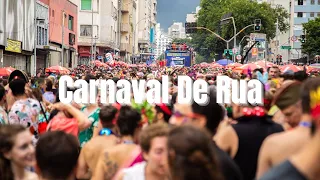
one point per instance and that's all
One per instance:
(197, 157)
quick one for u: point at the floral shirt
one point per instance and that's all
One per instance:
(25, 112)
(3, 116)
(87, 134)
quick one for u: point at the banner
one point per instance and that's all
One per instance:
(13, 46)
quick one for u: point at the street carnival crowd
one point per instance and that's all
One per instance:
(42, 138)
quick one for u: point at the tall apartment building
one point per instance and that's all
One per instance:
(177, 31)
(301, 12)
(192, 17)
(162, 41)
(98, 29)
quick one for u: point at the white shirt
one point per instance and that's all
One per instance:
(136, 172)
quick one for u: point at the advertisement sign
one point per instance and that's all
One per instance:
(13, 46)
(254, 51)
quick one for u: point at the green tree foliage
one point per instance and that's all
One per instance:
(312, 44)
(244, 13)
(182, 41)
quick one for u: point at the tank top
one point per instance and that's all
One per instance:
(136, 172)
(251, 132)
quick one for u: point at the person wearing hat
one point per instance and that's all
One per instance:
(288, 142)
(287, 99)
(297, 152)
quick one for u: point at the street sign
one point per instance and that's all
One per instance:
(286, 47)
(294, 38)
(239, 57)
(228, 50)
(235, 50)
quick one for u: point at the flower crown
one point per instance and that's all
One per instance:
(315, 103)
(146, 109)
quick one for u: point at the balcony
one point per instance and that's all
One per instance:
(125, 8)
(125, 27)
(125, 47)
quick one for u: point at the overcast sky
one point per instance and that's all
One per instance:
(174, 10)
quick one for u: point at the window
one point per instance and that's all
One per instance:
(312, 14)
(70, 23)
(312, 2)
(300, 14)
(300, 2)
(85, 4)
(318, 2)
(85, 30)
(52, 13)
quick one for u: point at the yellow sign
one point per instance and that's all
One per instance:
(13, 46)
(254, 51)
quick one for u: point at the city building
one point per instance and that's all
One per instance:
(128, 26)
(162, 41)
(146, 29)
(17, 32)
(301, 12)
(177, 31)
(192, 17)
(63, 45)
(98, 29)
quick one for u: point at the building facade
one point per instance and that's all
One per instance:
(192, 17)
(301, 12)
(63, 44)
(17, 32)
(162, 41)
(98, 29)
(177, 31)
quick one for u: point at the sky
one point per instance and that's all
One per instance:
(174, 10)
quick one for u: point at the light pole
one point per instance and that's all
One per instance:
(235, 37)
(218, 36)
(62, 44)
(246, 36)
(134, 33)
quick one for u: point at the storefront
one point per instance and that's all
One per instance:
(14, 56)
(84, 55)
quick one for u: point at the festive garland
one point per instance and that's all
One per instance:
(315, 103)
(146, 111)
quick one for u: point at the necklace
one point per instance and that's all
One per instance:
(128, 142)
(305, 124)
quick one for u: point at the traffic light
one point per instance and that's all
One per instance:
(257, 25)
(303, 38)
(187, 26)
(191, 27)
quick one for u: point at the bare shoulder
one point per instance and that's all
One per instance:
(31, 176)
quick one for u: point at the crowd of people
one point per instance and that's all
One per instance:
(42, 138)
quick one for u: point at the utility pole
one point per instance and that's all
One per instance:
(92, 34)
(35, 40)
(62, 44)
(277, 36)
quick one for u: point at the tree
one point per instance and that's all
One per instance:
(244, 13)
(182, 41)
(312, 43)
